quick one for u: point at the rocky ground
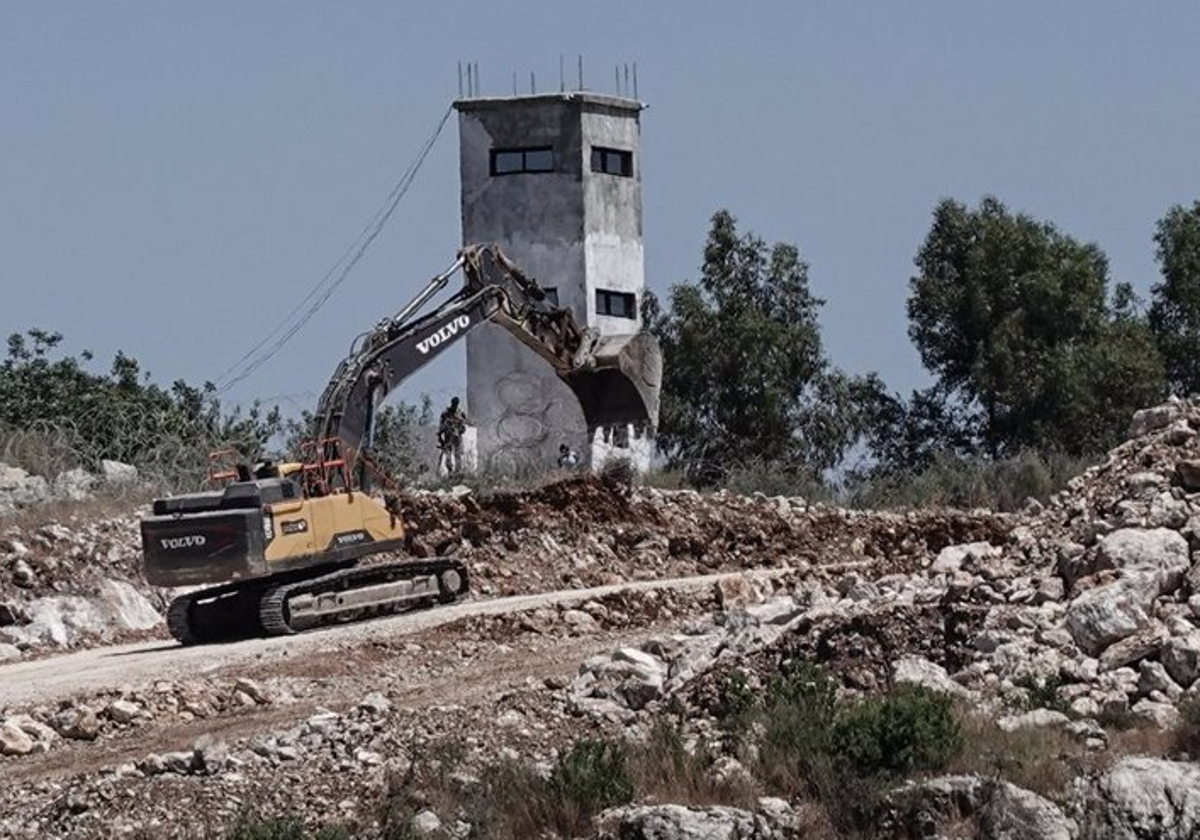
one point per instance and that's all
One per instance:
(1068, 637)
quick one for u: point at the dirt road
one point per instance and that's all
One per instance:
(55, 678)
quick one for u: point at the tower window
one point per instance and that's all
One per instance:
(551, 295)
(513, 161)
(612, 161)
(616, 304)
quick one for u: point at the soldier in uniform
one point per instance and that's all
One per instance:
(451, 428)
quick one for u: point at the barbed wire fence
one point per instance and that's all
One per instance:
(170, 453)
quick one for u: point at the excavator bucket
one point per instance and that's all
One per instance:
(621, 382)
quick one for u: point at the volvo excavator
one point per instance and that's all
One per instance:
(279, 545)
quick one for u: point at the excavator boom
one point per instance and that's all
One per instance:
(282, 544)
(616, 378)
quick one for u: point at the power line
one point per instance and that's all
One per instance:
(319, 294)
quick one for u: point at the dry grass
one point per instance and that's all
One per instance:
(667, 769)
(1042, 760)
(108, 506)
(1146, 740)
(1186, 739)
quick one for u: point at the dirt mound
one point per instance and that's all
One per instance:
(585, 532)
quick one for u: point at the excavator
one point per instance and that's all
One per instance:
(277, 549)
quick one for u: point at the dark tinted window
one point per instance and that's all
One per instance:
(612, 161)
(512, 161)
(616, 304)
(539, 160)
(506, 162)
(551, 294)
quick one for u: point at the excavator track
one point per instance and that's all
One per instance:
(358, 593)
(218, 614)
(280, 608)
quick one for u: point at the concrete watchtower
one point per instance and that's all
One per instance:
(555, 180)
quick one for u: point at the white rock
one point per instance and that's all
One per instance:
(15, 547)
(19, 489)
(23, 574)
(917, 670)
(781, 611)
(1142, 798)
(375, 704)
(255, 691)
(1194, 605)
(1002, 811)
(178, 762)
(42, 734)
(1150, 419)
(1035, 719)
(580, 621)
(115, 472)
(952, 557)
(9, 653)
(1152, 676)
(1106, 614)
(426, 823)
(123, 711)
(63, 619)
(14, 740)
(1181, 657)
(1159, 551)
(77, 722)
(1162, 715)
(210, 755)
(74, 485)
(677, 822)
(645, 663)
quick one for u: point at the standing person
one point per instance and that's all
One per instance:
(451, 428)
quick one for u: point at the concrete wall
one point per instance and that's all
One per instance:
(571, 229)
(613, 217)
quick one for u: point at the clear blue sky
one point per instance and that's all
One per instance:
(173, 178)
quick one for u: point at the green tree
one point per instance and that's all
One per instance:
(745, 375)
(1014, 319)
(1175, 303)
(48, 399)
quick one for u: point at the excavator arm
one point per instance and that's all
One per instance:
(284, 559)
(616, 378)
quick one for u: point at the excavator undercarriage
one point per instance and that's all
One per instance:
(279, 547)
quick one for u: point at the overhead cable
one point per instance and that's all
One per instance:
(320, 293)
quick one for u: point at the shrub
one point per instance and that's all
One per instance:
(428, 782)
(1187, 734)
(511, 800)
(737, 703)
(592, 775)
(844, 755)
(911, 729)
(665, 769)
(1043, 694)
(775, 478)
(797, 718)
(953, 481)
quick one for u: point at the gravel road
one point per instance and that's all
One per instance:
(136, 665)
